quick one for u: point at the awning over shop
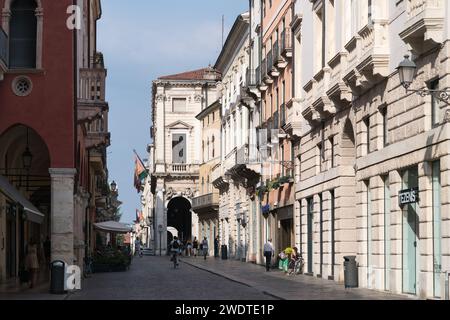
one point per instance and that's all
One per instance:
(33, 214)
(113, 227)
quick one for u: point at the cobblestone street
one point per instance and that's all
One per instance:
(153, 278)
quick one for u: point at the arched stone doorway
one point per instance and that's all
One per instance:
(179, 217)
(24, 165)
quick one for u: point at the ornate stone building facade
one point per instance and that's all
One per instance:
(366, 144)
(176, 151)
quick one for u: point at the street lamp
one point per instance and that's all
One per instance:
(113, 186)
(407, 71)
(160, 229)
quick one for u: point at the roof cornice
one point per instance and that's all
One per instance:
(215, 105)
(240, 30)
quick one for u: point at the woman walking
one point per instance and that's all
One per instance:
(32, 263)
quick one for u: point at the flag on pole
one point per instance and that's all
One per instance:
(137, 216)
(140, 172)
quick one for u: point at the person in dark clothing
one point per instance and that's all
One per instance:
(268, 253)
(216, 247)
(195, 246)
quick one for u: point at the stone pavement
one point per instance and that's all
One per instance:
(154, 278)
(281, 286)
(13, 291)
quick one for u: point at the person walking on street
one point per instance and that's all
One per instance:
(268, 253)
(32, 262)
(175, 249)
(216, 247)
(195, 246)
(189, 248)
(205, 247)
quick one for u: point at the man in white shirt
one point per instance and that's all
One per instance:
(269, 252)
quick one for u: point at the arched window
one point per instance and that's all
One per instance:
(22, 34)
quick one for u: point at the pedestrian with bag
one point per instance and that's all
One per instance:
(269, 252)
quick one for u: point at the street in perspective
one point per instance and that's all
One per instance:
(239, 150)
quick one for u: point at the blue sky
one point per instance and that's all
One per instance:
(142, 40)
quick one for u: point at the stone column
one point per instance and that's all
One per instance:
(326, 272)
(376, 269)
(62, 214)
(161, 238)
(160, 122)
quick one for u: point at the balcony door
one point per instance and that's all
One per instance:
(179, 149)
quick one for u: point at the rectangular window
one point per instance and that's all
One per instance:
(179, 105)
(387, 233)
(319, 25)
(332, 152)
(178, 148)
(385, 126)
(283, 164)
(320, 156)
(369, 12)
(436, 112)
(367, 131)
(437, 232)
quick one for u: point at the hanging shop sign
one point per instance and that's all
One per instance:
(408, 196)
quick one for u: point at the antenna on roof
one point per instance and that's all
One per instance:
(223, 29)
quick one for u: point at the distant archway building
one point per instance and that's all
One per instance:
(175, 154)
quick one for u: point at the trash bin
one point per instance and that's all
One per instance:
(57, 277)
(350, 272)
(224, 252)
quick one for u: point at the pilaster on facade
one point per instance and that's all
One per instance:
(62, 215)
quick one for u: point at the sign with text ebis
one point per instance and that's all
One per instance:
(408, 196)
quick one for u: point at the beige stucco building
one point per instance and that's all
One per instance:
(206, 202)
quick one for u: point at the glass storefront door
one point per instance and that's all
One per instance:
(410, 222)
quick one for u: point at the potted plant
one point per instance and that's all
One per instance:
(276, 184)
